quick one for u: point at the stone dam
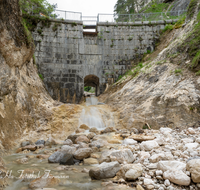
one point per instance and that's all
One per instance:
(69, 58)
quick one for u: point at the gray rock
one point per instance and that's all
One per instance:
(124, 155)
(99, 143)
(67, 159)
(56, 157)
(134, 173)
(193, 158)
(50, 141)
(82, 153)
(68, 149)
(26, 143)
(68, 142)
(104, 170)
(100, 103)
(40, 142)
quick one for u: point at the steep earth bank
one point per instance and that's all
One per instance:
(26, 109)
(162, 92)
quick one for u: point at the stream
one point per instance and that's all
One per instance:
(71, 177)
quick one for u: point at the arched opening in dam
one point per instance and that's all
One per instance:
(91, 84)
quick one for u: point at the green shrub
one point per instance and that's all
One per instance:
(40, 75)
(198, 73)
(87, 88)
(168, 27)
(192, 5)
(119, 77)
(178, 71)
(148, 51)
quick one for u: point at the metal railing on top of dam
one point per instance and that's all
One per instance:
(93, 20)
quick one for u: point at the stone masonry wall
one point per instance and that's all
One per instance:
(65, 56)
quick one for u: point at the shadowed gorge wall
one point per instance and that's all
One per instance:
(65, 55)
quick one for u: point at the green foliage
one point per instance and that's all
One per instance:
(130, 38)
(40, 75)
(120, 76)
(55, 27)
(192, 44)
(27, 33)
(159, 63)
(73, 24)
(157, 7)
(178, 71)
(36, 7)
(191, 9)
(34, 62)
(196, 59)
(39, 31)
(148, 51)
(168, 27)
(87, 88)
(198, 73)
(180, 22)
(146, 127)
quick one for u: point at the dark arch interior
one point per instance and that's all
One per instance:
(93, 81)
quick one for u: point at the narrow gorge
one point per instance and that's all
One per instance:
(129, 119)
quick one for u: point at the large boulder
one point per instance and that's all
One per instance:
(68, 149)
(105, 170)
(193, 166)
(90, 161)
(141, 137)
(82, 138)
(67, 159)
(56, 157)
(26, 143)
(165, 130)
(50, 141)
(29, 147)
(99, 143)
(84, 126)
(161, 156)
(44, 181)
(171, 165)
(124, 155)
(191, 145)
(149, 145)
(129, 142)
(91, 135)
(74, 137)
(82, 153)
(94, 130)
(136, 171)
(177, 177)
(68, 142)
(108, 130)
(38, 142)
(105, 156)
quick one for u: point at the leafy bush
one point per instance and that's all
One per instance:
(87, 88)
(198, 73)
(168, 27)
(40, 75)
(36, 7)
(178, 71)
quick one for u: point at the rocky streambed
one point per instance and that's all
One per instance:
(109, 159)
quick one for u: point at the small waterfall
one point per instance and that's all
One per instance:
(92, 117)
